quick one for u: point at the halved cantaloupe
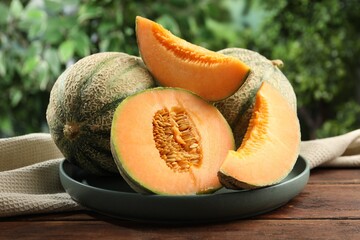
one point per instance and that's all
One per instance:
(175, 62)
(270, 147)
(169, 141)
(237, 108)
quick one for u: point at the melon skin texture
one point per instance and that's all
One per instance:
(82, 102)
(270, 147)
(237, 108)
(175, 62)
(173, 144)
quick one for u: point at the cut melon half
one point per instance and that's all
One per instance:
(170, 141)
(270, 147)
(175, 62)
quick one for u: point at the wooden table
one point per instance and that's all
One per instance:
(328, 208)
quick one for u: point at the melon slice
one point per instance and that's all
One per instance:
(270, 147)
(175, 62)
(170, 141)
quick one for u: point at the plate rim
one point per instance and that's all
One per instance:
(303, 175)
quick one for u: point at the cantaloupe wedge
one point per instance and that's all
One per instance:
(175, 62)
(270, 147)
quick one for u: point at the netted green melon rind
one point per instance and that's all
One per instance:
(82, 102)
(237, 108)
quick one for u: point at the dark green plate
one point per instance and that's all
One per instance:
(113, 197)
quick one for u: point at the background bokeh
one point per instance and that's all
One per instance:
(317, 40)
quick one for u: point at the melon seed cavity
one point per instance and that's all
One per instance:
(176, 139)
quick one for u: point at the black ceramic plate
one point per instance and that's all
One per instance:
(112, 196)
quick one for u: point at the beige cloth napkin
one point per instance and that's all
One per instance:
(339, 151)
(29, 175)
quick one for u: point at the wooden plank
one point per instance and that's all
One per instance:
(322, 202)
(331, 193)
(335, 176)
(249, 229)
(61, 216)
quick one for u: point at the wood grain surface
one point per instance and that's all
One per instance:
(328, 208)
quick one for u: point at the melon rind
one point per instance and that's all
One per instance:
(270, 147)
(237, 109)
(85, 96)
(175, 62)
(127, 173)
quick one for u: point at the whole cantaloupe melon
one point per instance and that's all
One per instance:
(82, 102)
(237, 109)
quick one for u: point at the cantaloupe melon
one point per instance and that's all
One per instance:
(237, 108)
(175, 62)
(82, 103)
(270, 147)
(169, 141)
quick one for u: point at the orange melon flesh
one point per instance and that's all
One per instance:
(175, 62)
(270, 147)
(139, 160)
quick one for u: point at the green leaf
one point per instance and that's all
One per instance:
(193, 26)
(53, 32)
(221, 31)
(6, 127)
(16, 96)
(66, 50)
(87, 12)
(3, 13)
(43, 75)
(36, 30)
(34, 49)
(34, 22)
(119, 18)
(104, 45)
(82, 42)
(30, 64)
(52, 58)
(169, 23)
(2, 64)
(54, 6)
(34, 15)
(116, 40)
(58, 6)
(16, 8)
(257, 15)
(236, 11)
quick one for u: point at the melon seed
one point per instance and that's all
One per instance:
(176, 138)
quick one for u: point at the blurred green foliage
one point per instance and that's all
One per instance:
(317, 40)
